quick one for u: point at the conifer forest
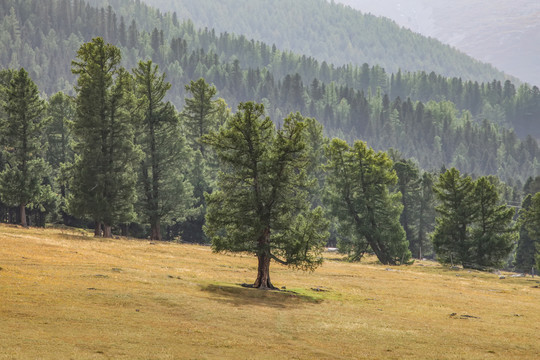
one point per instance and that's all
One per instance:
(132, 121)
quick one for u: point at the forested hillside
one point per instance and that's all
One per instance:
(331, 32)
(436, 120)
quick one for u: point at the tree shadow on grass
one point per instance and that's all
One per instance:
(238, 295)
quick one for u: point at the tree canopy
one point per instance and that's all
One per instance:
(260, 205)
(473, 228)
(22, 178)
(103, 176)
(163, 186)
(359, 192)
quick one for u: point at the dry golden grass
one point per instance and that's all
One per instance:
(69, 296)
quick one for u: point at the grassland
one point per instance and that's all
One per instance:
(66, 295)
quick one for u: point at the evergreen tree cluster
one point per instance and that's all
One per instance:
(121, 156)
(473, 228)
(118, 154)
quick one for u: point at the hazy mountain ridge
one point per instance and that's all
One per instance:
(333, 33)
(500, 32)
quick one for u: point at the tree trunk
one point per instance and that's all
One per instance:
(156, 230)
(124, 229)
(107, 231)
(65, 216)
(22, 211)
(263, 273)
(97, 229)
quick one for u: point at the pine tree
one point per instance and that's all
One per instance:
(409, 186)
(21, 181)
(198, 112)
(59, 153)
(426, 215)
(103, 176)
(359, 182)
(526, 247)
(457, 211)
(261, 204)
(315, 142)
(165, 192)
(473, 228)
(201, 115)
(531, 222)
(122, 32)
(133, 35)
(493, 234)
(155, 41)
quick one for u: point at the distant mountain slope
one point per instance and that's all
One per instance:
(331, 32)
(501, 32)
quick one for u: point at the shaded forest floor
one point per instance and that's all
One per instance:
(64, 294)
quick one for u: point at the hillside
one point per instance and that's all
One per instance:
(499, 32)
(66, 295)
(333, 33)
(353, 102)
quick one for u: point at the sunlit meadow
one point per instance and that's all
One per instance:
(66, 295)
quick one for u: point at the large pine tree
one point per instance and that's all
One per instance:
(59, 153)
(359, 182)
(473, 229)
(164, 191)
(103, 176)
(261, 206)
(457, 211)
(493, 234)
(426, 215)
(409, 184)
(201, 114)
(21, 181)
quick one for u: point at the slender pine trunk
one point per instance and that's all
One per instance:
(155, 221)
(124, 228)
(22, 212)
(97, 229)
(155, 230)
(65, 216)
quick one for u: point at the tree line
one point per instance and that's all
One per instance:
(479, 128)
(119, 156)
